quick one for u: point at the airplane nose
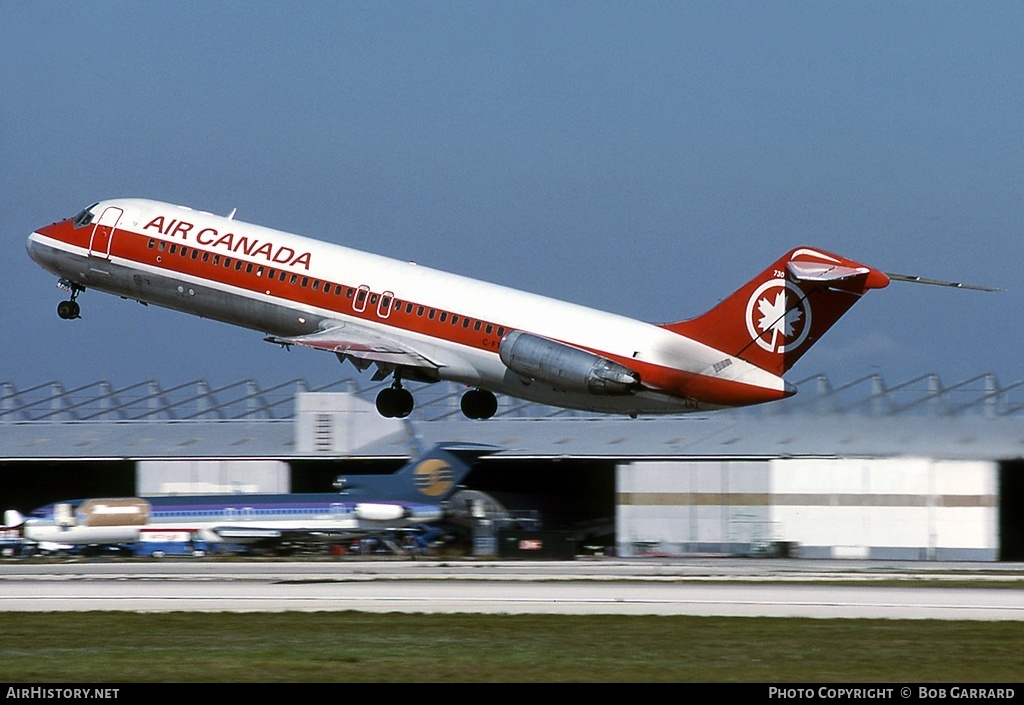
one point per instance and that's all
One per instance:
(33, 247)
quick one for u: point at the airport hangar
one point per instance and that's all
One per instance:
(913, 471)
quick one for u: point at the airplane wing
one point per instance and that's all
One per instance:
(362, 346)
(257, 535)
(246, 533)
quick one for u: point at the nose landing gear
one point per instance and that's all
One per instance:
(69, 310)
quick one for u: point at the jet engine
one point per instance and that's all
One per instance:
(371, 511)
(564, 367)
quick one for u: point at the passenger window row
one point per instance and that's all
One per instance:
(361, 296)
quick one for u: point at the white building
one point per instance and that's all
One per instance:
(913, 471)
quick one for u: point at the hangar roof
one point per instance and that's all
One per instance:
(976, 418)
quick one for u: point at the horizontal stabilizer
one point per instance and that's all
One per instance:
(821, 272)
(938, 282)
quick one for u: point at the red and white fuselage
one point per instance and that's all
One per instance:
(423, 324)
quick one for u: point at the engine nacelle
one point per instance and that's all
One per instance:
(564, 367)
(371, 511)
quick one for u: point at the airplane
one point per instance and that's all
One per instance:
(363, 504)
(415, 323)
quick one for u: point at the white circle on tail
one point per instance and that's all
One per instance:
(778, 316)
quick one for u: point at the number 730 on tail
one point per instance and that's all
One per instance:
(417, 324)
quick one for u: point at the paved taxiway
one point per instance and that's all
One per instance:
(724, 587)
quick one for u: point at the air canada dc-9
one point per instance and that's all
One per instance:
(417, 324)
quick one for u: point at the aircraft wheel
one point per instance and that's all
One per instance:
(386, 403)
(404, 403)
(395, 403)
(479, 404)
(68, 310)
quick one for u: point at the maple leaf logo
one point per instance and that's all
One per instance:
(772, 323)
(776, 318)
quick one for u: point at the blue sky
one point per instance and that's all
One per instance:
(642, 158)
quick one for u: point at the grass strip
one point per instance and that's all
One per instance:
(111, 647)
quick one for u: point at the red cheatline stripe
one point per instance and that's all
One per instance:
(255, 277)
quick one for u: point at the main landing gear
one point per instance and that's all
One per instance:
(69, 310)
(396, 402)
(479, 404)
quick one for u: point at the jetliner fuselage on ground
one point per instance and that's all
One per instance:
(417, 323)
(363, 504)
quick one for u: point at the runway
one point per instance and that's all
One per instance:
(705, 587)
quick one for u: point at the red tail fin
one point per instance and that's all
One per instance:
(773, 319)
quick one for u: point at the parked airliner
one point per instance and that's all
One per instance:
(420, 324)
(416, 494)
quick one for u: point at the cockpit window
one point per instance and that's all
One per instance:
(85, 217)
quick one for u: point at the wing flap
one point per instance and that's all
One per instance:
(360, 344)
